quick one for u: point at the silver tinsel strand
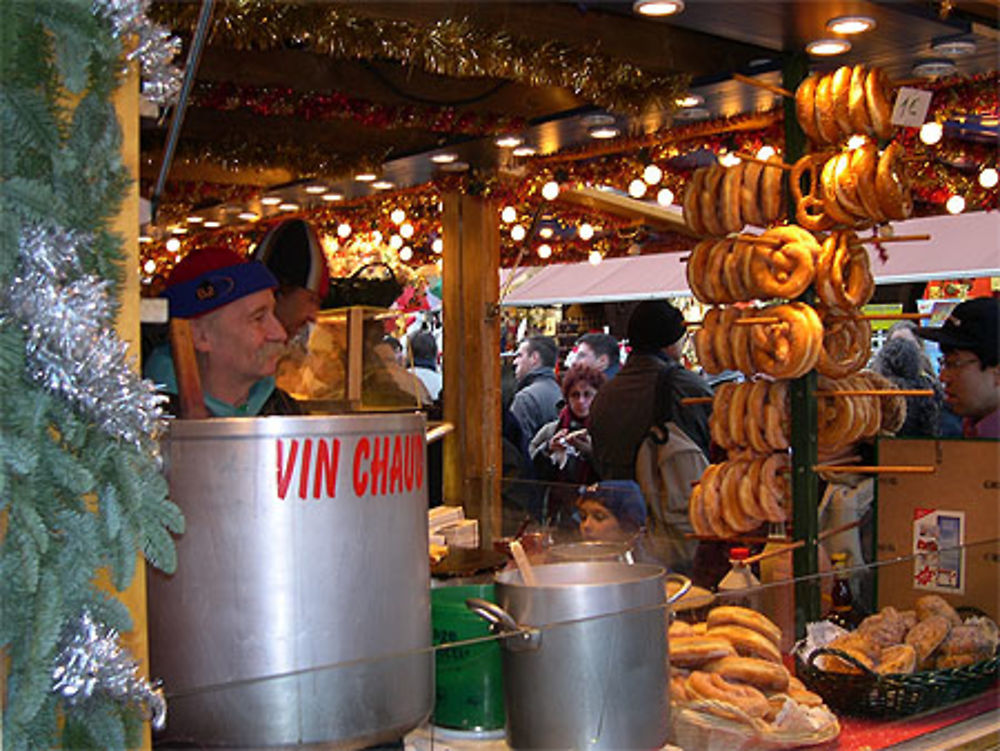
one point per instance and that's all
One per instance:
(90, 661)
(155, 46)
(72, 349)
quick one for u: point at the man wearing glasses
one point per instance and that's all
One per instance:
(970, 368)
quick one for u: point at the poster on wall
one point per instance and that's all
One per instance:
(939, 558)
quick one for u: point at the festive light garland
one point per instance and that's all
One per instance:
(448, 47)
(338, 105)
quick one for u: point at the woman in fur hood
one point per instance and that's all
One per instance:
(903, 362)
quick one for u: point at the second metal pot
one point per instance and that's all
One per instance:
(585, 664)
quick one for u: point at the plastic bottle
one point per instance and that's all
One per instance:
(739, 586)
(778, 590)
(843, 611)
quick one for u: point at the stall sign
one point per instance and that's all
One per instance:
(320, 467)
(885, 308)
(939, 558)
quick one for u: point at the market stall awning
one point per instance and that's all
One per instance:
(612, 280)
(961, 246)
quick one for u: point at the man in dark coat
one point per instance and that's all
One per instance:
(538, 395)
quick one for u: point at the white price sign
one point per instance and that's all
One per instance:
(911, 107)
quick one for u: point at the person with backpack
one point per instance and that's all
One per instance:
(642, 432)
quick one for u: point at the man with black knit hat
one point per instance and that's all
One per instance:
(623, 410)
(292, 251)
(229, 304)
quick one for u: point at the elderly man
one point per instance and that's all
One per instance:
(970, 368)
(229, 303)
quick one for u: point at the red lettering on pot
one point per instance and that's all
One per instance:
(380, 466)
(286, 469)
(361, 452)
(327, 461)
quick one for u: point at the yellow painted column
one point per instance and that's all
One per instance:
(126, 101)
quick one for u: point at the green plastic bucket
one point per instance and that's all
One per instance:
(468, 678)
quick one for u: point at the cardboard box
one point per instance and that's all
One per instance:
(943, 526)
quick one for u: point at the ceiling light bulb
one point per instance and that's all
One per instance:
(604, 132)
(765, 153)
(195, 219)
(544, 250)
(550, 191)
(366, 177)
(850, 24)
(954, 47)
(691, 100)
(524, 151)
(934, 68)
(173, 244)
(595, 257)
(665, 197)
(333, 196)
(212, 224)
(395, 242)
(518, 233)
(637, 188)
(652, 174)
(546, 232)
(585, 231)
(955, 205)
(149, 266)
(270, 200)
(248, 216)
(509, 214)
(729, 159)
(383, 184)
(406, 230)
(445, 157)
(405, 253)
(856, 142)
(509, 141)
(288, 206)
(658, 8)
(376, 238)
(931, 132)
(438, 245)
(315, 189)
(988, 178)
(147, 239)
(179, 230)
(828, 47)
(343, 230)
(397, 216)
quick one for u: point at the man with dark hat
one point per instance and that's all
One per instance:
(229, 303)
(292, 251)
(970, 369)
(623, 410)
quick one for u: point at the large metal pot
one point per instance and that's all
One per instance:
(300, 609)
(585, 660)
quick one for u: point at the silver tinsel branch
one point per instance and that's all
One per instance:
(72, 349)
(90, 661)
(154, 46)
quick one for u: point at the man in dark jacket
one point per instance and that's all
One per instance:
(625, 407)
(229, 303)
(538, 394)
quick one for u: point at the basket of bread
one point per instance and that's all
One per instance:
(729, 688)
(898, 663)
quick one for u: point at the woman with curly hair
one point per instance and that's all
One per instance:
(562, 451)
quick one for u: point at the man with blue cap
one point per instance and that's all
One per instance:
(228, 303)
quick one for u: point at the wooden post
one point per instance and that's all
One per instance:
(471, 283)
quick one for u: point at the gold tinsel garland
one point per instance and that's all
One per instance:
(448, 47)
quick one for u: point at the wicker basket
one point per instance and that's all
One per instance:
(872, 695)
(695, 726)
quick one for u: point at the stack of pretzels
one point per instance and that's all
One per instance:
(845, 420)
(832, 106)
(778, 263)
(721, 199)
(738, 495)
(752, 416)
(786, 345)
(853, 188)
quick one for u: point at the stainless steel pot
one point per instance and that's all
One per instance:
(300, 609)
(585, 658)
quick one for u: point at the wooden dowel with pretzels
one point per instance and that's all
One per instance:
(894, 239)
(876, 392)
(689, 401)
(756, 159)
(894, 316)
